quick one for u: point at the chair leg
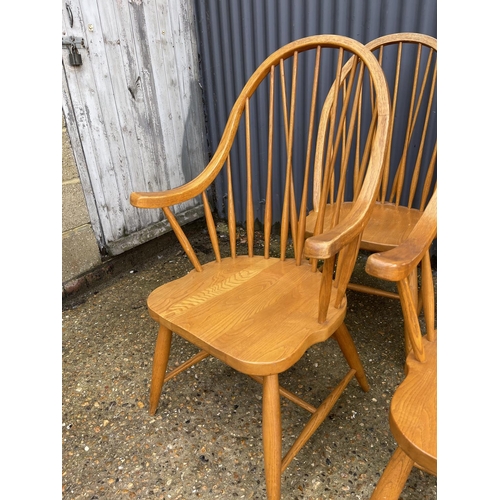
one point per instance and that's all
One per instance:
(271, 430)
(160, 360)
(351, 355)
(393, 480)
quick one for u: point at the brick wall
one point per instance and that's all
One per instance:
(80, 252)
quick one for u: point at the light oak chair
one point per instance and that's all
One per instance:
(413, 410)
(260, 313)
(409, 63)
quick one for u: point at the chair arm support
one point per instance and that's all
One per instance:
(397, 263)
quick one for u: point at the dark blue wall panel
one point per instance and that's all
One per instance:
(235, 36)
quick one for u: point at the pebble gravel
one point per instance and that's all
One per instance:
(205, 439)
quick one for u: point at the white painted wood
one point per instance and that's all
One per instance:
(135, 108)
(74, 137)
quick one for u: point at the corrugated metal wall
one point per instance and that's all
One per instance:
(235, 36)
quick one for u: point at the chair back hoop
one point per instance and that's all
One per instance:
(263, 161)
(409, 61)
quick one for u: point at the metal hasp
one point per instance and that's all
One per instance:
(73, 43)
(68, 41)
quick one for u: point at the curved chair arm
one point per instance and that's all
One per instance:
(396, 264)
(161, 199)
(329, 243)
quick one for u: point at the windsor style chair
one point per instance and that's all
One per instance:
(413, 410)
(409, 61)
(260, 313)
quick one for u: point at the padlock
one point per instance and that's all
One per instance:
(75, 58)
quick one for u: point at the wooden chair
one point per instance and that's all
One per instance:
(260, 313)
(413, 411)
(409, 63)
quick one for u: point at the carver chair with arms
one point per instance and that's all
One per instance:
(413, 410)
(260, 313)
(409, 61)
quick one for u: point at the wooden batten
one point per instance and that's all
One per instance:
(328, 171)
(231, 217)
(289, 197)
(361, 173)
(428, 297)
(303, 204)
(181, 236)
(212, 231)
(394, 106)
(250, 211)
(268, 215)
(349, 139)
(326, 289)
(418, 161)
(346, 260)
(428, 180)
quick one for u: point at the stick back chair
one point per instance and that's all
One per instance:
(259, 313)
(413, 410)
(409, 61)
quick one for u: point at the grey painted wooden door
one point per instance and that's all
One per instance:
(134, 110)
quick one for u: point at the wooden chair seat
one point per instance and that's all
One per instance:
(413, 414)
(388, 226)
(255, 314)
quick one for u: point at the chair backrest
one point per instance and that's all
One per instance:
(273, 178)
(409, 61)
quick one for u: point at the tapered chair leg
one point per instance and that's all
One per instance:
(393, 480)
(160, 360)
(271, 430)
(351, 355)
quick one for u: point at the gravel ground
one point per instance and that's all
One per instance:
(205, 440)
